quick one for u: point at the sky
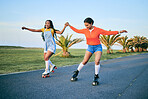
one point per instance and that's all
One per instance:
(115, 15)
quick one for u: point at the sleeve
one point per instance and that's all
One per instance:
(77, 30)
(52, 31)
(104, 32)
(42, 29)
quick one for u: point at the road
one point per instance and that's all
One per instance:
(120, 78)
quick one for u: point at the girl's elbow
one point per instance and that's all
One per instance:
(34, 30)
(61, 32)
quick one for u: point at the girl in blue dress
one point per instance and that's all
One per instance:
(50, 45)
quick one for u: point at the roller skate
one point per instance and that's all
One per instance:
(52, 68)
(74, 77)
(45, 74)
(95, 82)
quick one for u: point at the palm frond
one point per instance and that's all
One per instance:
(65, 43)
(75, 41)
(103, 40)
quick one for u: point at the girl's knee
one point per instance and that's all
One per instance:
(46, 58)
(84, 62)
(97, 62)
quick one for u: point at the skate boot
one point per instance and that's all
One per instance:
(45, 74)
(74, 77)
(52, 68)
(95, 82)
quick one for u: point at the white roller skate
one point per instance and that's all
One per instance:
(45, 74)
(52, 68)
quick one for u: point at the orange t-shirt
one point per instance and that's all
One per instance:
(92, 38)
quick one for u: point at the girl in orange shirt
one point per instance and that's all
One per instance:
(92, 34)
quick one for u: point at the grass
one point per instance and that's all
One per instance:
(19, 59)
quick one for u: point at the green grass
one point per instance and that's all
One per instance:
(19, 59)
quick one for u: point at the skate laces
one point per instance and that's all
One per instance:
(75, 74)
(96, 76)
(46, 71)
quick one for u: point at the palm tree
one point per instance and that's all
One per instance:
(130, 45)
(109, 41)
(144, 46)
(123, 41)
(144, 43)
(136, 41)
(139, 43)
(65, 43)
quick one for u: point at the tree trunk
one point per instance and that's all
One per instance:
(111, 51)
(140, 49)
(108, 51)
(144, 49)
(132, 50)
(124, 50)
(127, 49)
(65, 53)
(136, 49)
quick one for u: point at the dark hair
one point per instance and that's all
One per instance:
(51, 25)
(89, 20)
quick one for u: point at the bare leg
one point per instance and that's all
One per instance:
(85, 60)
(97, 61)
(47, 55)
(46, 58)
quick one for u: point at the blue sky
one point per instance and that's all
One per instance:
(108, 14)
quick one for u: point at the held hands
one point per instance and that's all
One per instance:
(123, 31)
(66, 24)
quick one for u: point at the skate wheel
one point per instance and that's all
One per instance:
(44, 77)
(76, 79)
(55, 67)
(53, 71)
(95, 83)
(73, 79)
(48, 75)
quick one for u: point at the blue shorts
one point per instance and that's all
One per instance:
(94, 48)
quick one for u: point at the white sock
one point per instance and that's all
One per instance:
(47, 65)
(50, 63)
(80, 66)
(97, 69)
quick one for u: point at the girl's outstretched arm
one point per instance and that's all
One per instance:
(74, 29)
(60, 32)
(32, 30)
(104, 32)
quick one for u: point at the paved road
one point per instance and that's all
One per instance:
(121, 78)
